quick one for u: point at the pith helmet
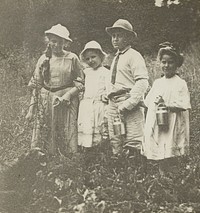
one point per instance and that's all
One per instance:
(121, 24)
(60, 31)
(92, 45)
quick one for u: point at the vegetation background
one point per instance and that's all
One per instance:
(101, 185)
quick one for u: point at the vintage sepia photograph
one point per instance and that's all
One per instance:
(99, 106)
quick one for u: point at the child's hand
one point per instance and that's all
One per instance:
(80, 96)
(56, 101)
(121, 108)
(104, 99)
(159, 100)
(66, 98)
(78, 85)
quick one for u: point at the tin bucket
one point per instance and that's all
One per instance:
(162, 115)
(118, 126)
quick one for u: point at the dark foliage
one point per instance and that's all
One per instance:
(24, 22)
(92, 181)
(95, 182)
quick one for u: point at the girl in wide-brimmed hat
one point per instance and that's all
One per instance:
(169, 139)
(93, 105)
(56, 82)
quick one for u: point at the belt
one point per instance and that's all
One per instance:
(55, 89)
(120, 92)
(119, 98)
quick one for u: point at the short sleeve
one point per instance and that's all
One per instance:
(182, 99)
(138, 67)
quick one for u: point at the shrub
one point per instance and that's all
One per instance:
(93, 182)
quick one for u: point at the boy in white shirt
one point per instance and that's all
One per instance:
(129, 82)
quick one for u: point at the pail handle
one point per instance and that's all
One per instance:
(161, 105)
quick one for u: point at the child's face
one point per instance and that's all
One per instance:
(92, 59)
(119, 40)
(168, 65)
(56, 43)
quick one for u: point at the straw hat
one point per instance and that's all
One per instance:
(92, 45)
(60, 31)
(121, 24)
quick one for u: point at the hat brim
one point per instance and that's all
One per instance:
(57, 34)
(84, 50)
(111, 30)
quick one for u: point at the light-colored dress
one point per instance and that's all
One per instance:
(159, 144)
(92, 110)
(55, 126)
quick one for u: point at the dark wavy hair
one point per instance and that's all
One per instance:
(172, 50)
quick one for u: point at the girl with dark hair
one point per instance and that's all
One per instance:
(167, 120)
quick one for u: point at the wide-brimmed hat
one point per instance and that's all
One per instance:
(170, 48)
(121, 24)
(92, 45)
(60, 31)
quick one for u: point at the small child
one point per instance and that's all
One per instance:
(93, 105)
(164, 143)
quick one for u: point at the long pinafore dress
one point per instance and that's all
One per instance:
(55, 126)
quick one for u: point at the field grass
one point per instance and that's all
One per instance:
(93, 182)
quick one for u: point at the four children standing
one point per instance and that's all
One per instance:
(116, 95)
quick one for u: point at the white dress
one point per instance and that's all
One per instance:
(92, 110)
(160, 144)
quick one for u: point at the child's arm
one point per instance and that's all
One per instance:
(68, 95)
(176, 109)
(78, 87)
(181, 99)
(78, 81)
(140, 75)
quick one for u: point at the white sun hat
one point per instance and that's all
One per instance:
(60, 31)
(92, 45)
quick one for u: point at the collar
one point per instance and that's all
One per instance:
(123, 51)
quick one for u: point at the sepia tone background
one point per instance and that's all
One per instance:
(25, 185)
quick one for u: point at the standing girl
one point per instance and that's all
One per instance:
(165, 141)
(56, 82)
(93, 105)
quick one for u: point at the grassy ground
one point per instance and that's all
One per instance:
(91, 182)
